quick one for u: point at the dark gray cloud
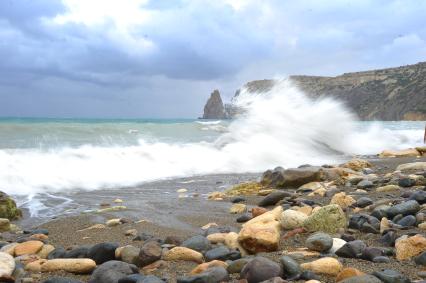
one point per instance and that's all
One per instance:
(106, 60)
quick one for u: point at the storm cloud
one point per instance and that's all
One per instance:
(140, 58)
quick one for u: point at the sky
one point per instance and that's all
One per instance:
(163, 58)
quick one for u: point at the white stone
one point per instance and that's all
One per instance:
(7, 264)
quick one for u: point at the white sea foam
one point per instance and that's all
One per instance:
(281, 127)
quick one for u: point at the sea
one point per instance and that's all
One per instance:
(51, 156)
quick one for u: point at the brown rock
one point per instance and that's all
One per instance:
(408, 247)
(182, 253)
(260, 236)
(29, 247)
(326, 266)
(154, 266)
(342, 200)
(256, 211)
(204, 266)
(348, 273)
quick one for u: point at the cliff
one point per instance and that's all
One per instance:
(386, 94)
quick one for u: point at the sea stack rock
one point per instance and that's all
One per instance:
(214, 108)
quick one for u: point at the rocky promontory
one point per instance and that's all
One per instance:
(386, 94)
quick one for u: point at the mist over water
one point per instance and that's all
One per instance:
(279, 128)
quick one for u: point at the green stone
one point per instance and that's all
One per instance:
(8, 207)
(327, 219)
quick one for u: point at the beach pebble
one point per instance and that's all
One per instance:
(353, 249)
(29, 247)
(342, 200)
(45, 251)
(102, 252)
(371, 253)
(361, 279)
(419, 196)
(214, 274)
(364, 202)
(391, 276)
(113, 222)
(204, 266)
(326, 265)
(7, 264)
(9, 248)
(238, 208)
(197, 243)
(260, 269)
(72, 265)
(181, 191)
(61, 280)
(337, 244)
(182, 253)
(291, 268)
(4, 225)
(112, 271)
(408, 247)
(273, 198)
(348, 273)
(244, 218)
(238, 199)
(78, 252)
(365, 184)
(150, 252)
(217, 238)
(406, 182)
(404, 208)
(407, 221)
(222, 253)
(319, 241)
(256, 211)
(421, 259)
(132, 278)
(237, 265)
(291, 219)
(261, 234)
(130, 255)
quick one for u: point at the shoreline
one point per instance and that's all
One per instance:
(168, 215)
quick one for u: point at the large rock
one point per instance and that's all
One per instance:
(326, 219)
(72, 265)
(112, 271)
(214, 108)
(408, 247)
(8, 207)
(7, 264)
(262, 233)
(260, 269)
(182, 253)
(292, 178)
(291, 219)
(326, 265)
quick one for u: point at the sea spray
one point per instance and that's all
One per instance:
(279, 128)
